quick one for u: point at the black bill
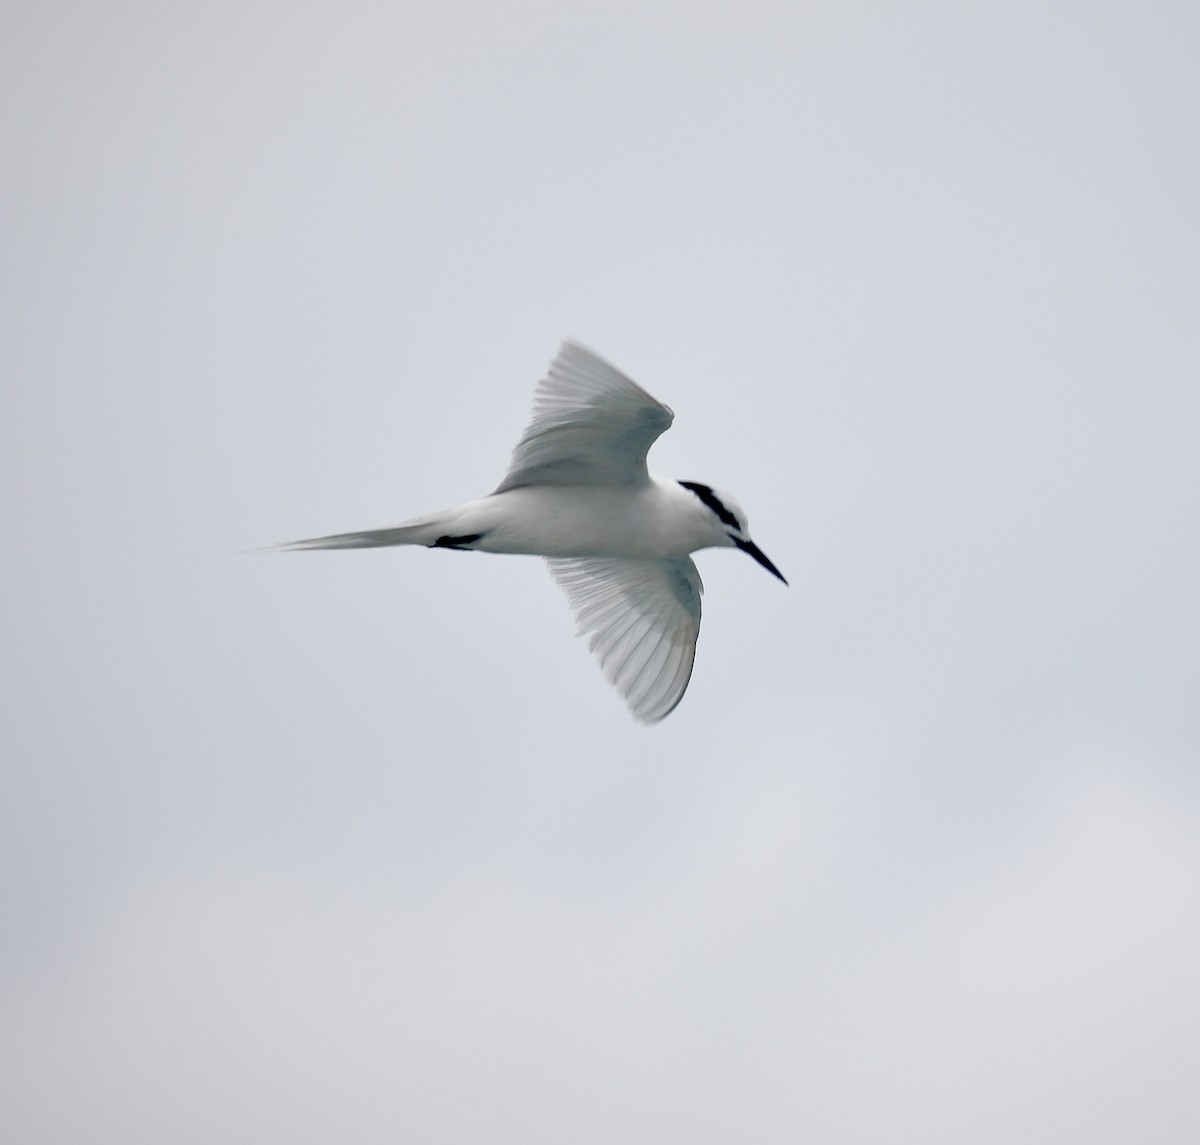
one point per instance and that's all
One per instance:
(762, 558)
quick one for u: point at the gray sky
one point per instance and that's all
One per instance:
(360, 846)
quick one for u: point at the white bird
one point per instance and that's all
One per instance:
(616, 536)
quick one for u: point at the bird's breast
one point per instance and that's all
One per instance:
(584, 521)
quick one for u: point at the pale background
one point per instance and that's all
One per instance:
(360, 846)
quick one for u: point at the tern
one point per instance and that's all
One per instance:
(617, 538)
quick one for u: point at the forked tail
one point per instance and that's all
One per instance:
(431, 531)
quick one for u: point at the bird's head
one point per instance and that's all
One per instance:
(731, 527)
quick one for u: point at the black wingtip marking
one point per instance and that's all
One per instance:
(709, 498)
(462, 544)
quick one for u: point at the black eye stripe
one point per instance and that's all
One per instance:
(706, 495)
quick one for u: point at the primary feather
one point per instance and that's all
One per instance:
(591, 425)
(643, 617)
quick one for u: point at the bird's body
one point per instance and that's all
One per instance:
(658, 519)
(617, 537)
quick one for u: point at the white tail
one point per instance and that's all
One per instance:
(423, 531)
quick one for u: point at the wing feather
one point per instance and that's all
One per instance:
(591, 425)
(643, 617)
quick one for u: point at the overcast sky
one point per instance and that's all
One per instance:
(360, 846)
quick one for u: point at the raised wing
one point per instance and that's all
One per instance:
(644, 618)
(591, 426)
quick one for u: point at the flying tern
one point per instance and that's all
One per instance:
(617, 538)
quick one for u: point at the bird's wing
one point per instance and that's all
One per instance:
(644, 618)
(591, 426)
